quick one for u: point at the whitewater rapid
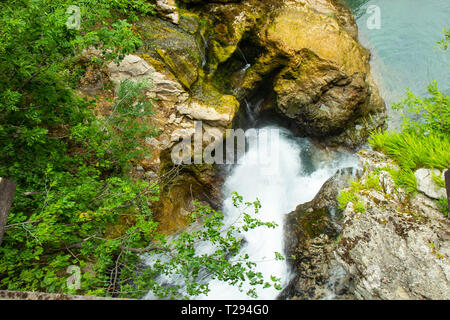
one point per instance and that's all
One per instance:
(274, 173)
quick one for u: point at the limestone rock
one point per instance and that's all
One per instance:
(167, 90)
(398, 249)
(427, 185)
(311, 231)
(180, 134)
(321, 73)
(132, 67)
(221, 115)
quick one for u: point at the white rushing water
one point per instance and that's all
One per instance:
(275, 174)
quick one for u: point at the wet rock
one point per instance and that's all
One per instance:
(232, 21)
(397, 248)
(321, 73)
(179, 51)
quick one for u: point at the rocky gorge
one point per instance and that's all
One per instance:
(299, 62)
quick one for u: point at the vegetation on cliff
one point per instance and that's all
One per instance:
(424, 141)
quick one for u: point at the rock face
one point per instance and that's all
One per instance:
(172, 48)
(311, 233)
(395, 247)
(168, 9)
(399, 248)
(176, 112)
(427, 185)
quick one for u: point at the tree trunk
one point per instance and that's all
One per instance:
(7, 190)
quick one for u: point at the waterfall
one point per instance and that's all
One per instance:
(203, 48)
(242, 55)
(279, 174)
(250, 112)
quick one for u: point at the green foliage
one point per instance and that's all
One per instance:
(373, 181)
(443, 206)
(132, 9)
(424, 141)
(118, 138)
(76, 199)
(74, 204)
(53, 146)
(432, 113)
(351, 194)
(39, 59)
(70, 230)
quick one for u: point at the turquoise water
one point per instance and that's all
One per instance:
(404, 53)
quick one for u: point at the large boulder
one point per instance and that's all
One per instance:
(168, 9)
(307, 50)
(178, 50)
(426, 183)
(321, 74)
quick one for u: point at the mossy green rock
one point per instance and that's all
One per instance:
(178, 49)
(231, 22)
